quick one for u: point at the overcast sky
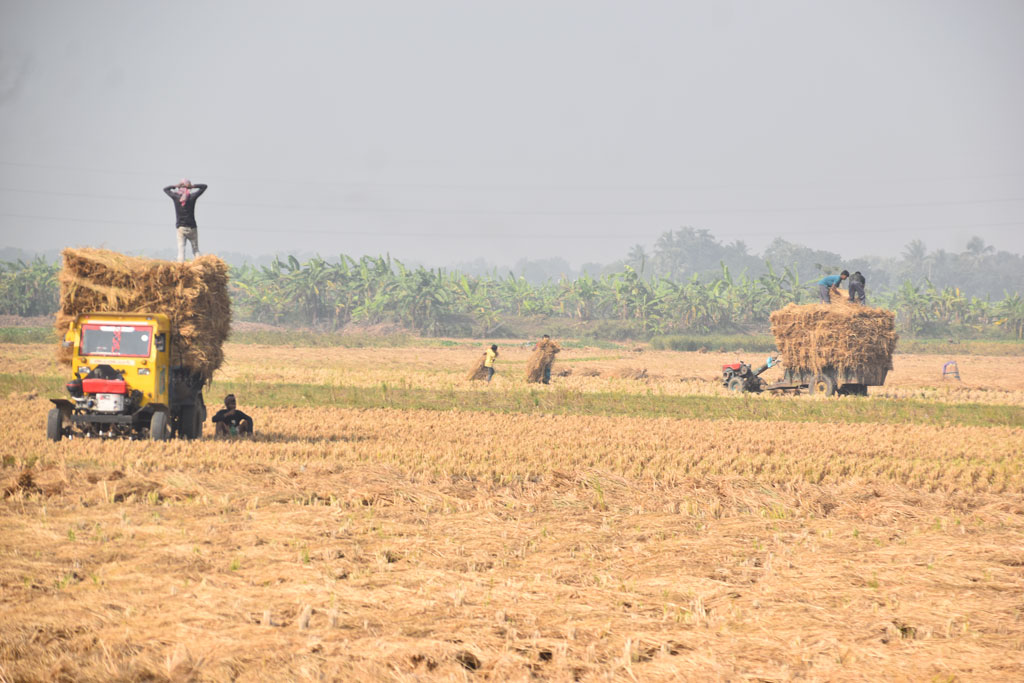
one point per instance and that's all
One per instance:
(446, 131)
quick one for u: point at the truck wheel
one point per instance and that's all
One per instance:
(822, 385)
(736, 384)
(158, 426)
(54, 425)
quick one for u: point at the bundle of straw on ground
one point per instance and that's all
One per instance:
(478, 371)
(193, 295)
(843, 336)
(541, 359)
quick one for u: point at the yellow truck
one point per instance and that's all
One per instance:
(126, 383)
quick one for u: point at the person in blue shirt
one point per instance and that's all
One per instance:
(830, 283)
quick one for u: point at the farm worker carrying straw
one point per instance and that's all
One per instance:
(231, 421)
(538, 368)
(489, 357)
(184, 196)
(829, 284)
(856, 288)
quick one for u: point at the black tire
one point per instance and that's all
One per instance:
(853, 390)
(54, 425)
(822, 385)
(736, 384)
(158, 426)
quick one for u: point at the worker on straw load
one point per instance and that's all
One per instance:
(184, 196)
(489, 357)
(856, 288)
(829, 284)
(230, 421)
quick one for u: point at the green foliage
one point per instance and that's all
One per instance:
(532, 401)
(28, 289)
(672, 302)
(27, 335)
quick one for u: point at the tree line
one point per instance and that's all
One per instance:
(438, 302)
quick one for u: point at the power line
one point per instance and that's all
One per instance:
(368, 184)
(493, 235)
(553, 212)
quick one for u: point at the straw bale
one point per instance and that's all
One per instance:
(478, 370)
(542, 358)
(194, 295)
(630, 373)
(843, 336)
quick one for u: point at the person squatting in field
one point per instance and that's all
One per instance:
(489, 357)
(856, 288)
(230, 421)
(184, 196)
(829, 284)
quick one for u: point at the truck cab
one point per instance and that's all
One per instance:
(125, 382)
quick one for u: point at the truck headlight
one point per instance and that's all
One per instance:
(83, 369)
(143, 371)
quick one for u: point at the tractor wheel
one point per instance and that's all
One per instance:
(158, 426)
(736, 384)
(54, 425)
(822, 385)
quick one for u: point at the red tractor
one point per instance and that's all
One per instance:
(741, 377)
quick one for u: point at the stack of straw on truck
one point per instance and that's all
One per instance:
(845, 337)
(193, 295)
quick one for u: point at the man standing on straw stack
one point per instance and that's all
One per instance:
(829, 284)
(856, 287)
(184, 196)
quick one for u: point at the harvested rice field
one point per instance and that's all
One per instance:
(632, 521)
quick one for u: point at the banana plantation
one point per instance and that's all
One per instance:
(372, 290)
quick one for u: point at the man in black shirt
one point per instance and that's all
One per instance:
(230, 421)
(184, 195)
(856, 287)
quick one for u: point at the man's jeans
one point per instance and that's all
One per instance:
(857, 293)
(823, 292)
(190, 234)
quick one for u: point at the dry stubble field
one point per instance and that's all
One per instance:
(388, 544)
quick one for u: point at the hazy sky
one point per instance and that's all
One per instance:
(445, 131)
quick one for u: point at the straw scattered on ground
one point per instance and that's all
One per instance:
(509, 547)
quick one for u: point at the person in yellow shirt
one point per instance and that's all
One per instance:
(489, 357)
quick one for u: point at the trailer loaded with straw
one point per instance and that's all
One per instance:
(824, 349)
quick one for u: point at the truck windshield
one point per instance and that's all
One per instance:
(116, 340)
